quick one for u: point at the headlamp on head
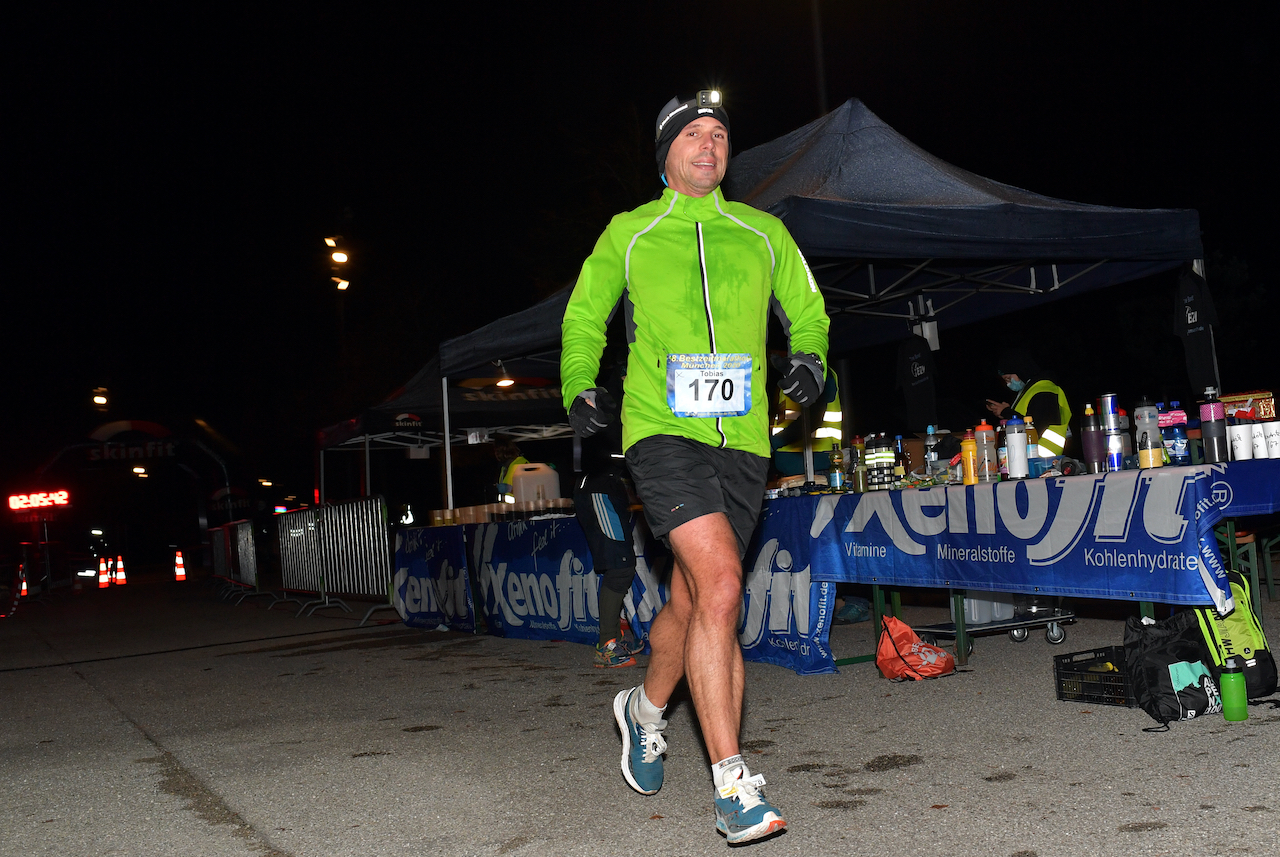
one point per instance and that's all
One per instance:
(676, 114)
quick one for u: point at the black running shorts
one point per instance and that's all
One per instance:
(680, 479)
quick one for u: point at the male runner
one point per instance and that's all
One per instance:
(696, 276)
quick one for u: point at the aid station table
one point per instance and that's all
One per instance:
(1141, 535)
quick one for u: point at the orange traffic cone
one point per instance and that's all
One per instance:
(120, 578)
(104, 579)
(179, 570)
(23, 574)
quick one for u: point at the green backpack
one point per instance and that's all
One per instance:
(1239, 635)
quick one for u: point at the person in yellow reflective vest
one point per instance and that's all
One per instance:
(509, 458)
(787, 438)
(1037, 396)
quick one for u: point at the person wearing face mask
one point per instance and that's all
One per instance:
(1036, 396)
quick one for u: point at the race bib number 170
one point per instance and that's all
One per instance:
(709, 385)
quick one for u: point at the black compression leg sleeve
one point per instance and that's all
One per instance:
(610, 614)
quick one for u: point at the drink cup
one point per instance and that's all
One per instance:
(1241, 440)
(1272, 432)
(1259, 441)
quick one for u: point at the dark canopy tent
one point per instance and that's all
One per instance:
(528, 345)
(890, 231)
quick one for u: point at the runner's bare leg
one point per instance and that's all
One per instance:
(667, 637)
(699, 639)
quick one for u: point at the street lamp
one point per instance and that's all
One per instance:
(100, 399)
(337, 258)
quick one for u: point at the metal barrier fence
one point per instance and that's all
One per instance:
(301, 564)
(235, 560)
(337, 549)
(234, 556)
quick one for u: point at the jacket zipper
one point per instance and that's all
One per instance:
(711, 324)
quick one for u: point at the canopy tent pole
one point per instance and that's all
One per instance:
(843, 373)
(368, 476)
(448, 452)
(808, 443)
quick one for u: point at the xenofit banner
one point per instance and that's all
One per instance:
(537, 580)
(430, 586)
(785, 615)
(1133, 535)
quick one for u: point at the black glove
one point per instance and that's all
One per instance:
(591, 411)
(802, 378)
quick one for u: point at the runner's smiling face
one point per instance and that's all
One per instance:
(698, 157)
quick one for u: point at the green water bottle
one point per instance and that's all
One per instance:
(1235, 699)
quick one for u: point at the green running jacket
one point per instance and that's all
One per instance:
(693, 275)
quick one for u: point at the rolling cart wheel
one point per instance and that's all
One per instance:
(968, 649)
(1055, 633)
(928, 639)
(1019, 635)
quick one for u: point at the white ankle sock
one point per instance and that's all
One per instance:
(644, 710)
(722, 771)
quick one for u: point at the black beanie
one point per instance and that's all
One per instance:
(676, 114)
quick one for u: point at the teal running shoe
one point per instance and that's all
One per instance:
(642, 746)
(743, 813)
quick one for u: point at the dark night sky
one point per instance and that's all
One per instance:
(173, 168)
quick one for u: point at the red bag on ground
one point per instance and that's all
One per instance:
(901, 655)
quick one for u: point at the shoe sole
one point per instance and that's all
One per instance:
(751, 834)
(629, 662)
(620, 715)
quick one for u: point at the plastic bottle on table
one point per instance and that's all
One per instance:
(930, 452)
(1166, 430)
(988, 465)
(1150, 451)
(873, 462)
(969, 457)
(1016, 440)
(1093, 440)
(1213, 428)
(886, 462)
(899, 460)
(860, 478)
(1002, 451)
(1146, 418)
(1179, 448)
(835, 467)
(1235, 697)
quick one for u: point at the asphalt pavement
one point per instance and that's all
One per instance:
(156, 719)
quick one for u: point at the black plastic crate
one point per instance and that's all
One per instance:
(1097, 677)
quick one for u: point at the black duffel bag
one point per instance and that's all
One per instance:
(1167, 663)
